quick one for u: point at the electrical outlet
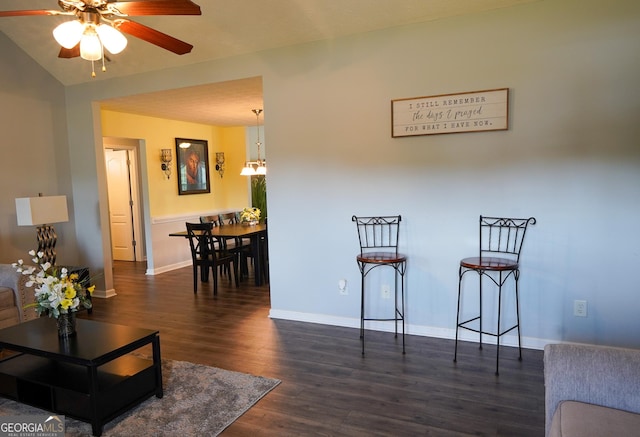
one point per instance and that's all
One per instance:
(580, 308)
(386, 291)
(342, 287)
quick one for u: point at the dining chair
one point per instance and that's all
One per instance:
(241, 246)
(498, 259)
(378, 237)
(209, 219)
(206, 255)
(264, 254)
(221, 243)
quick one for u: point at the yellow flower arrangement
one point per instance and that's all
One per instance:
(250, 215)
(56, 291)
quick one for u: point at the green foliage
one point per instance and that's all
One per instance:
(259, 194)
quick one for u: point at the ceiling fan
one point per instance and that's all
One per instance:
(99, 23)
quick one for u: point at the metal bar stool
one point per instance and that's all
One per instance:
(378, 238)
(499, 257)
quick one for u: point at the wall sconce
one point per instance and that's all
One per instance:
(166, 162)
(220, 163)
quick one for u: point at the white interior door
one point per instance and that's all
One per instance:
(120, 205)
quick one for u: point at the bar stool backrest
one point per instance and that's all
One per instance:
(503, 235)
(380, 232)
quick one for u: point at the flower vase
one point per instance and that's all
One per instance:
(66, 325)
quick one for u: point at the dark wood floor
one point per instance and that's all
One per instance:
(328, 388)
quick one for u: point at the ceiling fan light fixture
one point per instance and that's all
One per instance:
(90, 46)
(80, 33)
(112, 39)
(69, 33)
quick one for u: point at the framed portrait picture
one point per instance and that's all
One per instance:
(193, 166)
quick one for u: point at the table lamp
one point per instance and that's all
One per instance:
(42, 211)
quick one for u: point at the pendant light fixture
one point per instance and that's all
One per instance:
(258, 167)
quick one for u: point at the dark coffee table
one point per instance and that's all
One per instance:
(91, 377)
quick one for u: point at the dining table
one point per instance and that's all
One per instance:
(257, 235)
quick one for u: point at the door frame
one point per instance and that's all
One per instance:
(132, 146)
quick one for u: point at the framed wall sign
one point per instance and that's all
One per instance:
(193, 166)
(450, 113)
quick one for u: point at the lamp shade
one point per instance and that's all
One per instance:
(165, 155)
(111, 38)
(68, 34)
(247, 170)
(32, 211)
(90, 47)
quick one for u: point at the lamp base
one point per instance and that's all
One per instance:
(47, 239)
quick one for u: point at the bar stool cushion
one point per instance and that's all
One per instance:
(489, 263)
(381, 258)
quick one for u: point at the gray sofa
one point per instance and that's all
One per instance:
(591, 391)
(14, 295)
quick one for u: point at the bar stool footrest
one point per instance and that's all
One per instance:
(493, 334)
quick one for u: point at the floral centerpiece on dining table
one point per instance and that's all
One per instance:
(250, 216)
(58, 294)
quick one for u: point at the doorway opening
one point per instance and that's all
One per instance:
(123, 189)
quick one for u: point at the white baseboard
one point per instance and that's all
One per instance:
(420, 330)
(168, 268)
(104, 294)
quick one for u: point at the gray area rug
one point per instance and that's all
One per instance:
(198, 401)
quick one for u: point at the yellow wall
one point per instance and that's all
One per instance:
(238, 193)
(230, 192)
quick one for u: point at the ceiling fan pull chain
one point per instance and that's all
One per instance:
(103, 67)
(93, 70)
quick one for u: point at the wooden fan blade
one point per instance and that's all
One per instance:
(155, 37)
(27, 12)
(158, 7)
(69, 53)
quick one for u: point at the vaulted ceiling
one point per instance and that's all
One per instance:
(225, 28)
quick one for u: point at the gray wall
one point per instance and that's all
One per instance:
(570, 158)
(34, 152)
